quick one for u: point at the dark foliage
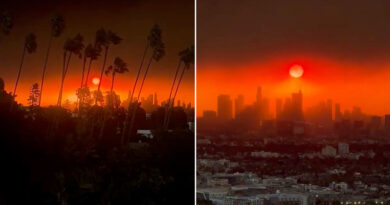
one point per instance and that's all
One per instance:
(49, 156)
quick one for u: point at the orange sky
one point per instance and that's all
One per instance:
(123, 82)
(351, 84)
(131, 20)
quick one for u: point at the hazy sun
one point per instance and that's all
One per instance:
(296, 71)
(95, 81)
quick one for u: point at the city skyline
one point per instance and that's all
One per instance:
(319, 79)
(227, 103)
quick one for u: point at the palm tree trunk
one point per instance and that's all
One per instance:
(65, 70)
(20, 70)
(89, 69)
(138, 73)
(102, 71)
(174, 96)
(44, 69)
(170, 93)
(62, 76)
(112, 88)
(139, 94)
(112, 106)
(82, 74)
(80, 99)
(124, 131)
(143, 79)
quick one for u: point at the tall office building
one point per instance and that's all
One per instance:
(155, 102)
(238, 105)
(209, 114)
(265, 114)
(329, 110)
(278, 108)
(258, 96)
(374, 125)
(296, 106)
(337, 113)
(224, 107)
(387, 124)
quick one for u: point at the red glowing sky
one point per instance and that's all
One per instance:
(345, 83)
(131, 20)
(343, 46)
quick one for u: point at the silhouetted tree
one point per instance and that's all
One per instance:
(103, 40)
(92, 53)
(171, 90)
(71, 46)
(84, 96)
(7, 22)
(98, 97)
(33, 98)
(112, 100)
(155, 42)
(57, 28)
(187, 56)
(30, 45)
(120, 67)
(131, 96)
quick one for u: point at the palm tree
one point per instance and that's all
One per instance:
(71, 46)
(57, 27)
(105, 39)
(131, 96)
(173, 85)
(119, 67)
(92, 53)
(7, 22)
(30, 45)
(155, 42)
(187, 57)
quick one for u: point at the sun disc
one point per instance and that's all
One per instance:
(95, 81)
(296, 71)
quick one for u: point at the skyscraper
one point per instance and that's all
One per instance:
(337, 113)
(374, 125)
(387, 124)
(238, 105)
(258, 96)
(278, 108)
(296, 106)
(265, 109)
(155, 102)
(224, 107)
(329, 110)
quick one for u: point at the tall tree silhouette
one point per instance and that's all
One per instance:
(132, 91)
(187, 57)
(83, 93)
(103, 41)
(173, 85)
(92, 53)
(7, 22)
(57, 28)
(30, 46)
(71, 46)
(34, 95)
(120, 67)
(155, 42)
